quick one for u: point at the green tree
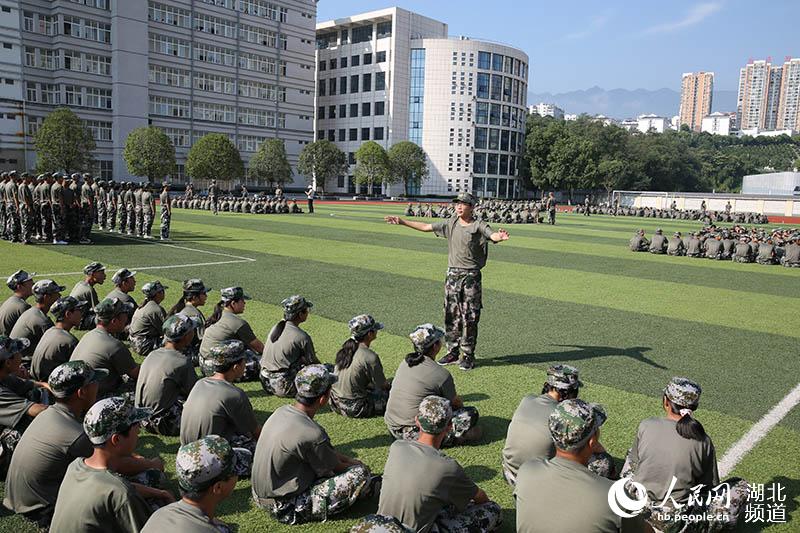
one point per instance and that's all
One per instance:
(372, 165)
(321, 161)
(214, 156)
(408, 164)
(797, 163)
(63, 143)
(270, 163)
(149, 152)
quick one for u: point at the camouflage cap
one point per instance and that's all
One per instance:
(434, 414)
(176, 326)
(65, 305)
(227, 352)
(233, 293)
(314, 380)
(14, 345)
(195, 286)
(109, 308)
(47, 286)
(93, 267)
(66, 379)
(573, 422)
(362, 324)
(121, 275)
(202, 463)
(18, 278)
(295, 304)
(110, 416)
(563, 377)
(151, 288)
(683, 392)
(676, 234)
(424, 336)
(659, 231)
(466, 198)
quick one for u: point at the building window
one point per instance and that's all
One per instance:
(353, 110)
(379, 108)
(494, 139)
(352, 134)
(497, 87)
(361, 34)
(484, 60)
(481, 136)
(364, 134)
(332, 86)
(380, 57)
(322, 66)
(366, 83)
(483, 85)
(162, 44)
(321, 112)
(178, 137)
(365, 109)
(354, 83)
(333, 63)
(169, 107)
(325, 40)
(384, 29)
(101, 131)
(332, 111)
(482, 113)
(497, 62)
(342, 135)
(342, 110)
(380, 81)
(169, 15)
(332, 135)
(343, 85)
(368, 59)
(377, 134)
(343, 62)
(494, 114)
(51, 93)
(355, 61)
(416, 96)
(73, 95)
(321, 88)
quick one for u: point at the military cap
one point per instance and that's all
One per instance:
(295, 304)
(12, 174)
(676, 234)
(76, 176)
(176, 326)
(233, 293)
(41, 177)
(110, 416)
(434, 414)
(26, 175)
(363, 324)
(121, 275)
(227, 352)
(3, 174)
(424, 336)
(563, 377)
(93, 267)
(466, 198)
(202, 463)
(659, 231)
(59, 175)
(18, 278)
(573, 422)
(683, 392)
(314, 380)
(14, 345)
(101, 183)
(109, 308)
(66, 379)
(47, 286)
(151, 288)
(195, 286)
(65, 305)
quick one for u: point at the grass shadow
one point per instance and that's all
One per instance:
(479, 473)
(475, 397)
(579, 353)
(494, 429)
(384, 440)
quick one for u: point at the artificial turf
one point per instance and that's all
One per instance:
(566, 293)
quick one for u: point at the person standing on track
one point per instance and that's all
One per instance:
(310, 194)
(467, 240)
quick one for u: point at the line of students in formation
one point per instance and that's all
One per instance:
(71, 412)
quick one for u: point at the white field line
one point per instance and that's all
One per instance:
(760, 429)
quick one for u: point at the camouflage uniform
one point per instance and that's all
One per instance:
(376, 523)
(281, 382)
(464, 419)
(462, 310)
(373, 404)
(166, 214)
(252, 367)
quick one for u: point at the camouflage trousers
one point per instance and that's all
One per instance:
(244, 447)
(789, 264)
(147, 222)
(2, 219)
(482, 517)
(138, 227)
(214, 205)
(601, 464)
(740, 259)
(168, 424)
(378, 523)
(27, 224)
(462, 310)
(153, 478)
(251, 369)
(280, 384)
(762, 261)
(551, 216)
(327, 497)
(12, 224)
(73, 224)
(102, 215)
(374, 404)
(111, 217)
(122, 215)
(166, 218)
(464, 419)
(59, 223)
(130, 219)
(86, 215)
(46, 222)
(9, 438)
(144, 345)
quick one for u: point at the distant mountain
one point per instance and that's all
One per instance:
(625, 103)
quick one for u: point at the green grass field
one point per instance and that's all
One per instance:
(569, 293)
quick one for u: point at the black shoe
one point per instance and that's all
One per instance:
(449, 359)
(467, 363)
(373, 487)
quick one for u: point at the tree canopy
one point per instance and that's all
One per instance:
(149, 152)
(408, 164)
(372, 165)
(63, 143)
(271, 164)
(322, 161)
(214, 156)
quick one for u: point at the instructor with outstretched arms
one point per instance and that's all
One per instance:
(467, 244)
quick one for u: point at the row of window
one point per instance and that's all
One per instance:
(258, 8)
(500, 115)
(330, 86)
(202, 81)
(494, 139)
(101, 131)
(81, 28)
(365, 107)
(495, 164)
(180, 108)
(181, 139)
(202, 22)
(355, 61)
(501, 63)
(70, 59)
(355, 35)
(496, 187)
(73, 95)
(351, 134)
(500, 88)
(217, 55)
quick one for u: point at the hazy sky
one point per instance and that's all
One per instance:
(618, 43)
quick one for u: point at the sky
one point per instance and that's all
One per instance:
(614, 44)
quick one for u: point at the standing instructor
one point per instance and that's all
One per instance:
(467, 244)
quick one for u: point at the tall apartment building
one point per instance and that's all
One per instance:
(393, 75)
(696, 96)
(769, 95)
(789, 104)
(244, 68)
(547, 110)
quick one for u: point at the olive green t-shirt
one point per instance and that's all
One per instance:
(148, 321)
(467, 246)
(529, 432)
(165, 376)
(147, 201)
(293, 344)
(419, 481)
(84, 292)
(54, 348)
(410, 386)
(137, 199)
(364, 374)
(658, 453)
(31, 325)
(14, 403)
(92, 500)
(54, 439)
(56, 194)
(179, 517)
(229, 326)
(101, 350)
(216, 407)
(123, 296)
(10, 312)
(292, 453)
(164, 201)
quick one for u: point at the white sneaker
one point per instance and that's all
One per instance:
(59, 242)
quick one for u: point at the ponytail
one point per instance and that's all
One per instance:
(688, 426)
(414, 358)
(179, 305)
(216, 315)
(277, 331)
(344, 357)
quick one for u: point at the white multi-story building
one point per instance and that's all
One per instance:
(395, 75)
(546, 110)
(652, 124)
(571, 116)
(717, 124)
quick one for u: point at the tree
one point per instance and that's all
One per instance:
(63, 143)
(214, 156)
(149, 152)
(797, 163)
(408, 164)
(270, 163)
(372, 165)
(322, 160)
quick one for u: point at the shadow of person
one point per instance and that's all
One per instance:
(475, 397)
(577, 353)
(479, 473)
